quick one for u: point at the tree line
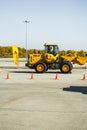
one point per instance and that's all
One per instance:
(6, 52)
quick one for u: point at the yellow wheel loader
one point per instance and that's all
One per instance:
(50, 59)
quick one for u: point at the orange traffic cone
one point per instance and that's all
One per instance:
(0, 70)
(56, 77)
(8, 76)
(32, 76)
(84, 77)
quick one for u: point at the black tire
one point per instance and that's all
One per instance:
(40, 67)
(66, 67)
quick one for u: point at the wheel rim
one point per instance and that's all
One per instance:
(40, 67)
(65, 68)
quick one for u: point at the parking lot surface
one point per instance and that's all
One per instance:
(43, 102)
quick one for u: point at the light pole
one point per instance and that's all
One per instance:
(26, 22)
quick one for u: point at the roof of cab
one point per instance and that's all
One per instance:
(46, 44)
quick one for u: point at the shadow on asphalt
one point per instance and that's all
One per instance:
(48, 72)
(21, 72)
(79, 89)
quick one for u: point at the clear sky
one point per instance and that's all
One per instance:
(63, 22)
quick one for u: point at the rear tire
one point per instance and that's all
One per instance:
(40, 67)
(66, 67)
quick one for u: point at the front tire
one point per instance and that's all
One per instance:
(66, 67)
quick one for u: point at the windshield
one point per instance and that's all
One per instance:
(53, 49)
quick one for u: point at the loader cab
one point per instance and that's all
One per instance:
(51, 49)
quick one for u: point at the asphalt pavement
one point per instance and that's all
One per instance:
(49, 101)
